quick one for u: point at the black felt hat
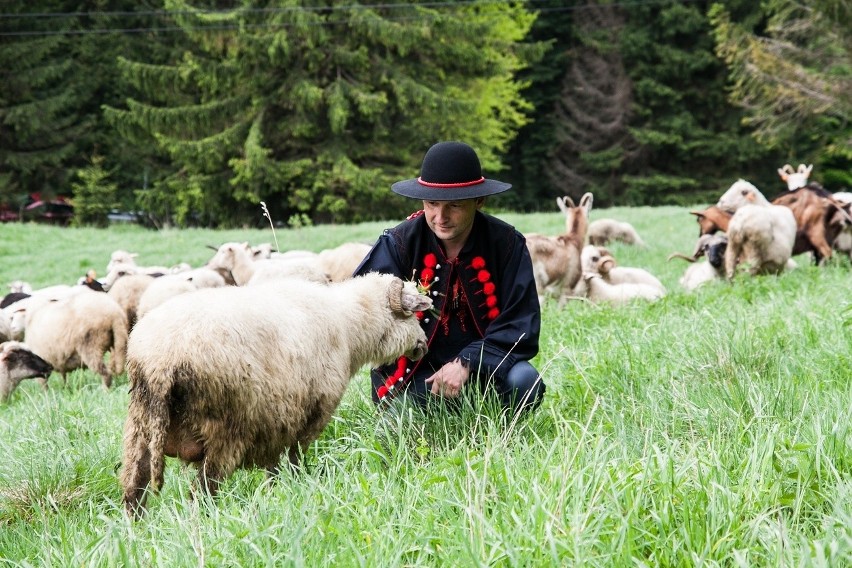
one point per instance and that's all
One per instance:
(450, 172)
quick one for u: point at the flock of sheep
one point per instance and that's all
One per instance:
(742, 231)
(236, 362)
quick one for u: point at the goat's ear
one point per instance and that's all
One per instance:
(803, 169)
(586, 202)
(564, 203)
(782, 173)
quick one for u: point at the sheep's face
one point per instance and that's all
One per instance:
(739, 194)
(596, 259)
(21, 363)
(715, 253)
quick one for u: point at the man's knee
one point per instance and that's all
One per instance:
(524, 388)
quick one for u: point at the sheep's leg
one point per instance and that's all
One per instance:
(315, 422)
(210, 476)
(731, 255)
(135, 476)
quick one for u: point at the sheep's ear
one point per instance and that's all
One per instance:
(749, 195)
(415, 302)
(699, 214)
(783, 174)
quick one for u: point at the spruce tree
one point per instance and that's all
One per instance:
(94, 194)
(317, 109)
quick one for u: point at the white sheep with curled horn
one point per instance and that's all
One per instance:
(234, 377)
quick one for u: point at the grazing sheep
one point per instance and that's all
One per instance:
(760, 234)
(795, 178)
(712, 247)
(5, 328)
(556, 260)
(19, 286)
(601, 260)
(123, 269)
(340, 262)
(76, 331)
(602, 231)
(11, 298)
(233, 377)
(127, 291)
(239, 260)
(18, 362)
(599, 290)
(171, 285)
(121, 257)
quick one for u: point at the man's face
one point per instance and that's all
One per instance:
(451, 221)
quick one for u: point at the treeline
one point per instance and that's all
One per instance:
(194, 113)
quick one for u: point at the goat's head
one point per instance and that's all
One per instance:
(576, 216)
(795, 178)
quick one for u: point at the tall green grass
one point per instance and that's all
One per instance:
(707, 429)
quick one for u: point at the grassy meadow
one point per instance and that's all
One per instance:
(707, 429)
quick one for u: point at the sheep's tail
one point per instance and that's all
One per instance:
(144, 436)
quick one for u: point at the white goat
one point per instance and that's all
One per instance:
(795, 178)
(233, 377)
(760, 234)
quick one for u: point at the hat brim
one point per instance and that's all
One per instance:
(414, 189)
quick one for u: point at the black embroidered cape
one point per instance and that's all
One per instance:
(494, 276)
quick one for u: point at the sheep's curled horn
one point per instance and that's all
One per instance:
(403, 304)
(395, 291)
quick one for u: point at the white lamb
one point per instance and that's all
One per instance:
(760, 234)
(599, 290)
(234, 377)
(601, 260)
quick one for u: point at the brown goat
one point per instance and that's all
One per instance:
(712, 220)
(556, 260)
(819, 219)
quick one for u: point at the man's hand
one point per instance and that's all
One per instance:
(449, 379)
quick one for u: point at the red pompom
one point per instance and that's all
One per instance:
(430, 260)
(491, 301)
(489, 288)
(478, 262)
(493, 313)
(382, 392)
(418, 315)
(483, 276)
(427, 275)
